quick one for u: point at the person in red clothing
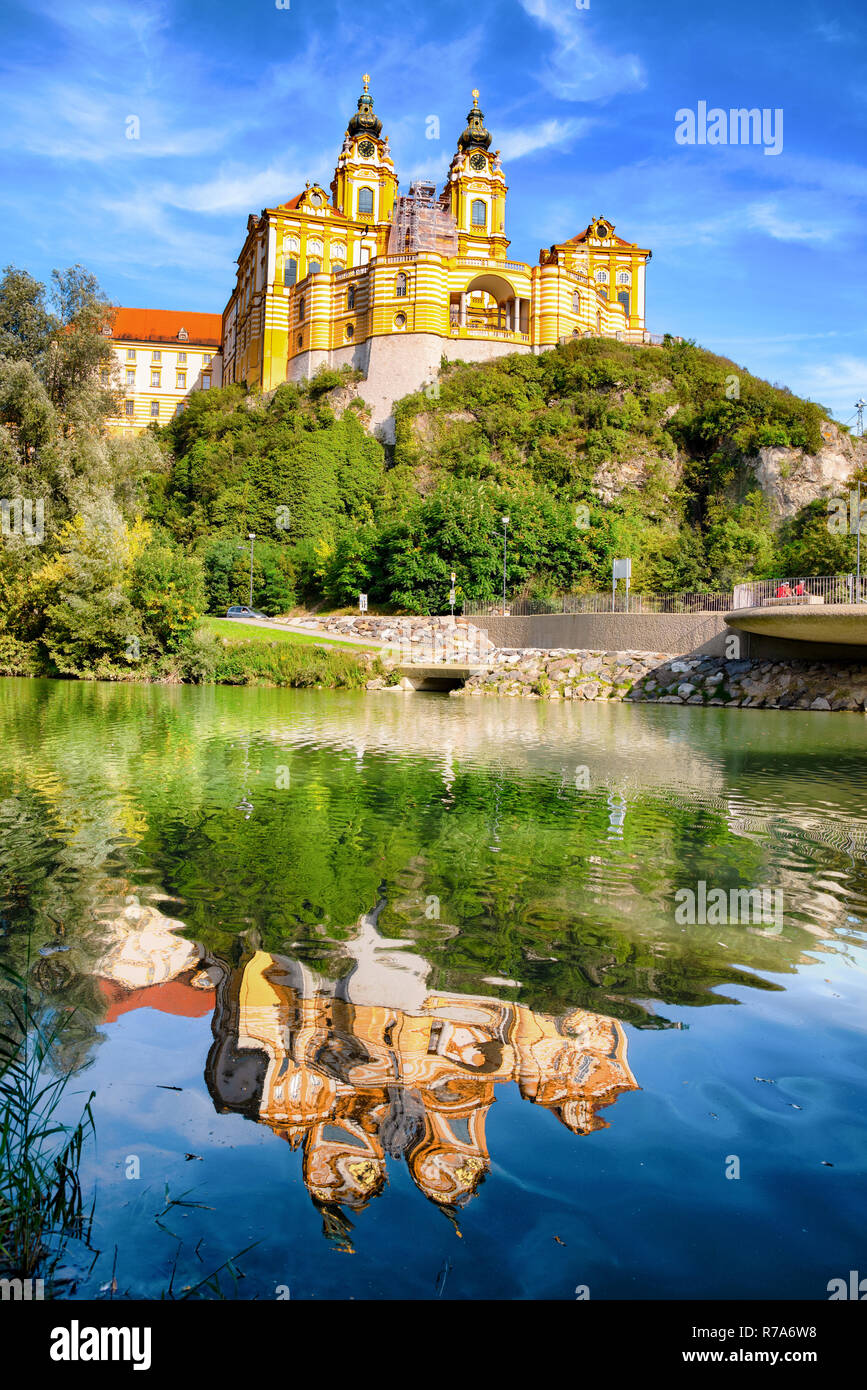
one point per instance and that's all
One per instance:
(783, 591)
(799, 589)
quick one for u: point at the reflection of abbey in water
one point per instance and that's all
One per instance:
(354, 1081)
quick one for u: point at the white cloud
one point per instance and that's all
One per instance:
(837, 381)
(580, 69)
(514, 144)
(831, 30)
(238, 188)
(767, 217)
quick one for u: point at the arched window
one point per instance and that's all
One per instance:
(602, 277)
(350, 297)
(350, 332)
(301, 309)
(480, 213)
(623, 277)
(314, 267)
(623, 298)
(576, 303)
(290, 272)
(365, 202)
(400, 286)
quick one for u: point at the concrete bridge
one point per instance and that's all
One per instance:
(440, 675)
(812, 631)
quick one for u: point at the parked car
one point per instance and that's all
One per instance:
(239, 610)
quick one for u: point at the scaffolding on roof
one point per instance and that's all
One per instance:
(421, 223)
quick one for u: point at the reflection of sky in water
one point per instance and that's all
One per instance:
(543, 1054)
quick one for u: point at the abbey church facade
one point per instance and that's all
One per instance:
(389, 284)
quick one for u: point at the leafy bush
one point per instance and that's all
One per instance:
(281, 663)
(167, 588)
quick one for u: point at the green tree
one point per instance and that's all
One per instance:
(167, 589)
(80, 349)
(809, 544)
(90, 623)
(26, 326)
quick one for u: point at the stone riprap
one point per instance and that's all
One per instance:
(422, 640)
(657, 678)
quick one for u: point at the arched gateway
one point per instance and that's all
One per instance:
(490, 302)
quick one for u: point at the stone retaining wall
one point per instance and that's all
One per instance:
(425, 640)
(657, 678)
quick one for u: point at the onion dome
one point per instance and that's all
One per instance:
(365, 121)
(475, 136)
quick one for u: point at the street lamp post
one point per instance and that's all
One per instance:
(505, 533)
(858, 562)
(251, 536)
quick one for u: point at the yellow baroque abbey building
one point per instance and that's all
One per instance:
(389, 284)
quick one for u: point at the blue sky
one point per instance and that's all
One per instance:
(760, 257)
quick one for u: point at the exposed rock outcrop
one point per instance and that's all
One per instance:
(790, 478)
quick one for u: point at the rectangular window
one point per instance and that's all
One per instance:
(206, 381)
(130, 378)
(156, 355)
(180, 381)
(206, 358)
(155, 410)
(103, 377)
(301, 309)
(155, 380)
(130, 354)
(290, 272)
(129, 407)
(182, 357)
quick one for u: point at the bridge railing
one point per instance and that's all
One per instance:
(602, 603)
(829, 589)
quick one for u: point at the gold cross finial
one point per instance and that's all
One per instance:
(366, 80)
(475, 96)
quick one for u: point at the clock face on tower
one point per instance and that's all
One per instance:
(367, 149)
(478, 162)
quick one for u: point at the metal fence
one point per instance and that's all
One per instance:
(840, 588)
(827, 589)
(603, 603)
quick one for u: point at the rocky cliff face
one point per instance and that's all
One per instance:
(790, 478)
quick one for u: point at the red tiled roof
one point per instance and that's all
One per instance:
(164, 325)
(176, 997)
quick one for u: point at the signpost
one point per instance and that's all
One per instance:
(452, 596)
(362, 603)
(620, 569)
